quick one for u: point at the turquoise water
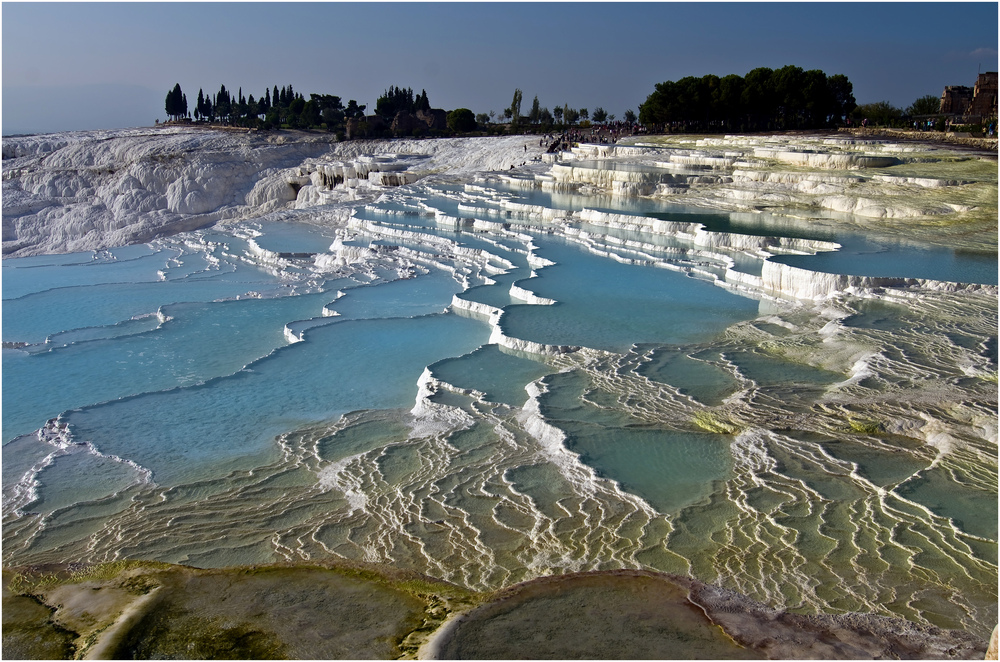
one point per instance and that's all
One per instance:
(637, 304)
(214, 405)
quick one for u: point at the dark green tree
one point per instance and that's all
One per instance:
(730, 100)
(787, 85)
(600, 115)
(353, 110)
(223, 104)
(880, 113)
(393, 101)
(175, 104)
(533, 115)
(461, 120)
(758, 98)
(310, 115)
(421, 102)
(926, 105)
(817, 99)
(842, 92)
(253, 110)
(515, 107)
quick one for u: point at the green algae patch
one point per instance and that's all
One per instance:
(138, 610)
(714, 423)
(865, 426)
(29, 633)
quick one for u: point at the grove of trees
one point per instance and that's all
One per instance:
(396, 100)
(277, 107)
(765, 99)
(283, 107)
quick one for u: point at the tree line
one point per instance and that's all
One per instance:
(763, 100)
(276, 108)
(541, 119)
(285, 108)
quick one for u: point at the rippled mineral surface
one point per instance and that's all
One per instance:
(766, 363)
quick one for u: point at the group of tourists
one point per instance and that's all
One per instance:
(605, 134)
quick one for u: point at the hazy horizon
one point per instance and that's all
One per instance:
(80, 66)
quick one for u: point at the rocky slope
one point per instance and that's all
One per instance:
(91, 190)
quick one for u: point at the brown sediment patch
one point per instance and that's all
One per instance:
(600, 615)
(631, 614)
(779, 634)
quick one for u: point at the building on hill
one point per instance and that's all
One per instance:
(955, 99)
(984, 98)
(972, 104)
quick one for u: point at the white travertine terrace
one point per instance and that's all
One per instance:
(93, 190)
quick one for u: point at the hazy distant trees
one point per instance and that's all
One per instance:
(764, 99)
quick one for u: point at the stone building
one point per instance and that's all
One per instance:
(984, 98)
(955, 99)
(972, 103)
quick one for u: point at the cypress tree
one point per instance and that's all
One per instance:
(175, 105)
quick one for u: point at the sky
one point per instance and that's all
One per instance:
(88, 65)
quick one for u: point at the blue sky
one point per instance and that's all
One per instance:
(103, 65)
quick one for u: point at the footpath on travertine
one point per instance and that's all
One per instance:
(949, 137)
